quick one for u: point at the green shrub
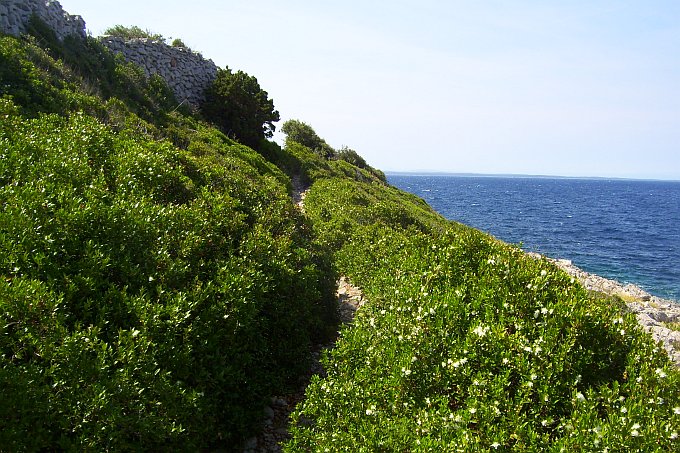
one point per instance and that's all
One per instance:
(151, 297)
(178, 43)
(133, 32)
(468, 344)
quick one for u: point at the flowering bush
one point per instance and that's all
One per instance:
(150, 298)
(467, 344)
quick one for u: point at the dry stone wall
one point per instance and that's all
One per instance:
(187, 73)
(15, 14)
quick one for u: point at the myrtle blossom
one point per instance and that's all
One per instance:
(634, 430)
(460, 362)
(481, 330)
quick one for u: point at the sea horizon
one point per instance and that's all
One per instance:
(521, 175)
(627, 230)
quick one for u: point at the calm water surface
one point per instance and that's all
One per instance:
(621, 229)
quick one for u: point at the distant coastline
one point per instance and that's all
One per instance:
(522, 176)
(618, 228)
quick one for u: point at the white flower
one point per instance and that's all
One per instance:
(495, 445)
(544, 273)
(460, 362)
(661, 373)
(674, 435)
(634, 433)
(676, 410)
(473, 410)
(481, 330)
(580, 397)
(371, 410)
(623, 332)
(624, 410)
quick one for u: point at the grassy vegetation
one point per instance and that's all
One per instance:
(158, 285)
(467, 344)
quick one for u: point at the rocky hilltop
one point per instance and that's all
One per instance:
(15, 15)
(187, 73)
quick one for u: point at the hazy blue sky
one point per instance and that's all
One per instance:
(574, 88)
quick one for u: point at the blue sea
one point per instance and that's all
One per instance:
(626, 230)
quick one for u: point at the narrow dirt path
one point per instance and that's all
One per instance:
(277, 413)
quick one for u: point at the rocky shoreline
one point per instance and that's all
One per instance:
(653, 313)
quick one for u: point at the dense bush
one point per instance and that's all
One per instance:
(302, 133)
(151, 297)
(240, 108)
(157, 286)
(469, 345)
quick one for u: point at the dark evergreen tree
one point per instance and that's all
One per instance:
(237, 105)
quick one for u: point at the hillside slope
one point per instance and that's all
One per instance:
(469, 344)
(159, 285)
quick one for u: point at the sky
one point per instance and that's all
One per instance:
(566, 88)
